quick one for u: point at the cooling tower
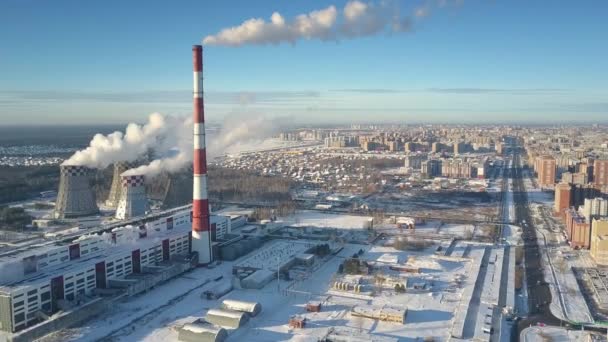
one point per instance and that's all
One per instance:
(133, 201)
(75, 197)
(116, 189)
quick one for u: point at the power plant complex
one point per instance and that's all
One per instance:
(137, 250)
(128, 194)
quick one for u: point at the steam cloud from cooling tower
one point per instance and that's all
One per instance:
(239, 132)
(159, 135)
(176, 151)
(169, 139)
(356, 19)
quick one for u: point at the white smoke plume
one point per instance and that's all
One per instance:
(176, 151)
(239, 132)
(159, 135)
(357, 19)
(244, 131)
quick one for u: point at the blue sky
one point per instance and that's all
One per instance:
(470, 61)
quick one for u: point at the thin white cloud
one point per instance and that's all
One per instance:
(314, 25)
(356, 19)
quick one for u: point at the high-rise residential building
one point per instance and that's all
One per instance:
(499, 148)
(414, 161)
(431, 168)
(600, 172)
(582, 192)
(563, 198)
(459, 147)
(578, 231)
(459, 168)
(546, 171)
(599, 241)
(596, 207)
(580, 178)
(567, 177)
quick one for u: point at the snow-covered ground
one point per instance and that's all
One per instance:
(554, 334)
(324, 220)
(435, 227)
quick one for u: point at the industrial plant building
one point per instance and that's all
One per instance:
(45, 277)
(49, 275)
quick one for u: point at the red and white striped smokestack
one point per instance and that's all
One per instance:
(201, 236)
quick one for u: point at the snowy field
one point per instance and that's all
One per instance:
(556, 334)
(323, 220)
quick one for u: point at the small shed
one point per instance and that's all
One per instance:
(313, 307)
(227, 318)
(305, 259)
(217, 291)
(258, 279)
(297, 322)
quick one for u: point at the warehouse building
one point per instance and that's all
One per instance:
(251, 308)
(227, 318)
(385, 313)
(201, 332)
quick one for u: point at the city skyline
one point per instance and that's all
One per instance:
(455, 61)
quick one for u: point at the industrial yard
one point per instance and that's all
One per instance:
(389, 295)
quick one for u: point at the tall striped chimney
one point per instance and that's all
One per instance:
(201, 238)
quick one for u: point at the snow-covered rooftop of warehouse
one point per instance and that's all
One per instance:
(275, 254)
(326, 220)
